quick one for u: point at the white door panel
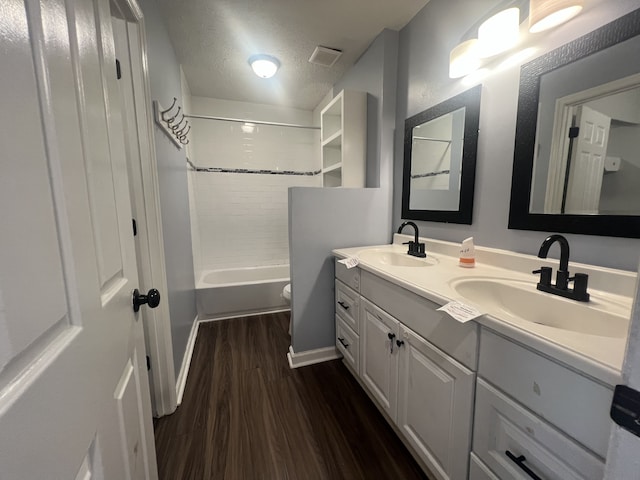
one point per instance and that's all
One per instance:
(587, 165)
(73, 402)
(101, 171)
(129, 411)
(30, 253)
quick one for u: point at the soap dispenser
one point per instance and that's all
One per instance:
(467, 253)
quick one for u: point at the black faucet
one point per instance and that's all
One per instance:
(415, 248)
(580, 280)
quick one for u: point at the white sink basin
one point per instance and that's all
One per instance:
(387, 257)
(522, 300)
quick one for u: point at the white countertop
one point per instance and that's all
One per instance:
(597, 356)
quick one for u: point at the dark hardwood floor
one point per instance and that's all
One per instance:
(246, 415)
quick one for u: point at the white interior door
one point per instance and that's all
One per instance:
(74, 397)
(587, 162)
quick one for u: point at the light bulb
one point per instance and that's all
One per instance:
(546, 14)
(499, 33)
(264, 66)
(464, 59)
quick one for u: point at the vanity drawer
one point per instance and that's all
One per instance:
(348, 305)
(502, 425)
(348, 342)
(478, 470)
(459, 340)
(348, 276)
(574, 403)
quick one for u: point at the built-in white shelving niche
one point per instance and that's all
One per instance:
(343, 138)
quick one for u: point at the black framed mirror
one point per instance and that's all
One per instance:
(576, 166)
(439, 172)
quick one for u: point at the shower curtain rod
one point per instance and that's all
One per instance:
(432, 139)
(257, 122)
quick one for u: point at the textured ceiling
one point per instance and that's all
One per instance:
(213, 40)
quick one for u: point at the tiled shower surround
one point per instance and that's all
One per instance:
(240, 174)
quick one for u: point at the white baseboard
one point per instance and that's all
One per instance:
(309, 357)
(181, 382)
(213, 318)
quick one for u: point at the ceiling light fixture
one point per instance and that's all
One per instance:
(464, 59)
(546, 14)
(264, 66)
(499, 33)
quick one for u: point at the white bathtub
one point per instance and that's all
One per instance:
(241, 291)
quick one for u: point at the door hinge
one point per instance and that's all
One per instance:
(118, 70)
(135, 227)
(625, 409)
(573, 132)
(148, 363)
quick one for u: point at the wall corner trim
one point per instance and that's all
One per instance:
(181, 382)
(310, 357)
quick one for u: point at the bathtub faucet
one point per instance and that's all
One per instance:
(416, 248)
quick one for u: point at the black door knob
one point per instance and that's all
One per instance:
(152, 298)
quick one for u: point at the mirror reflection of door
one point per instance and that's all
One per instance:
(597, 171)
(598, 70)
(586, 166)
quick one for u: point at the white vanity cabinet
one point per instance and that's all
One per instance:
(428, 394)
(550, 419)
(503, 397)
(435, 405)
(378, 358)
(425, 391)
(347, 308)
(347, 305)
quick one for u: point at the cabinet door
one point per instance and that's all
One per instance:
(435, 402)
(379, 358)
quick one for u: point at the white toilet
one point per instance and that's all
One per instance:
(286, 293)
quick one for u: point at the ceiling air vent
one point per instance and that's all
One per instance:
(325, 56)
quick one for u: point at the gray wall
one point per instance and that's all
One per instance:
(423, 81)
(620, 190)
(321, 219)
(164, 74)
(375, 72)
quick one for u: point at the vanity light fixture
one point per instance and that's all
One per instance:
(264, 66)
(499, 33)
(546, 14)
(464, 59)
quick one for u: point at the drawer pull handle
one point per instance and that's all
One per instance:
(391, 337)
(346, 307)
(344, 344)
(520, 462)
